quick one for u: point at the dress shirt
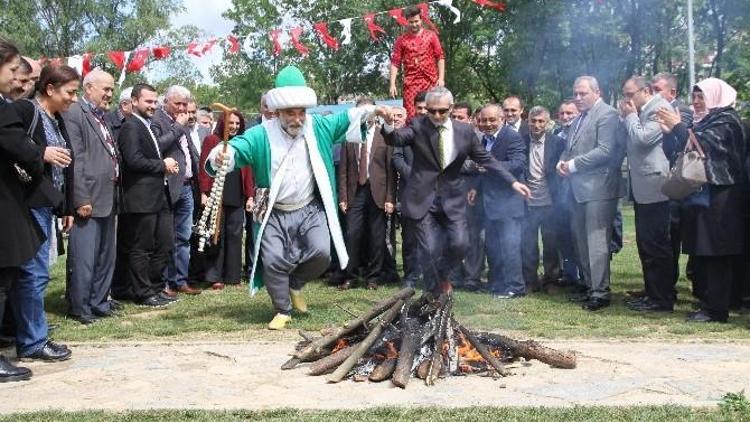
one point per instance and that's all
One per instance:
(537, 181)
(298, 186)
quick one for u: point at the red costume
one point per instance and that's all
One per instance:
(419, 54)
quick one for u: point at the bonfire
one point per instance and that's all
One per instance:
(400, 338)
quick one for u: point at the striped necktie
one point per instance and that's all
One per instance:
(441, 146)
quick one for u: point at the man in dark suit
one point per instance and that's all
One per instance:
(434, 196)
(169, 125)
(366, 189)
(92, 250)
(544, 151)
(116, 118)
(502, 208)
(591, 166)
(513, 109)
(145, 227)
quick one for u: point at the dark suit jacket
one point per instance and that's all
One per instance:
(499, 199)
(553, 148)
(382, 183)
(142, 170)
(168, 133)
(44, 194)
(93, 178)
(114, 120)
(427, 179)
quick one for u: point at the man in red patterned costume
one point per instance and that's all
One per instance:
(421, 55)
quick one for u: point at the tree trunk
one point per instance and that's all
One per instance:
(330, 362)
(411, 336)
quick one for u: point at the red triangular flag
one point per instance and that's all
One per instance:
(118, 58)
(325, 35)
(274, 35)
(425, 14)
(161, 52)
(86, 68)
(295, 33)
(234, 44)
(374, 29)
(499, 6)
(208, 45)
(398, 14)
(195, 49)
(138, 60)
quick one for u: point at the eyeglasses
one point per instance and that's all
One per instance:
(438, 110)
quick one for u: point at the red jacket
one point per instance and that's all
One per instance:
(205, 181)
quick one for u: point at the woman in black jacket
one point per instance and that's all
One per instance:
(713, 219)
(21, 236)
(56, 91)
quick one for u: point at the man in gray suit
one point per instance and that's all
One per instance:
(591, 165)
(91, 257)
(648, 171)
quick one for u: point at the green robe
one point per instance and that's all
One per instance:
(253, 149)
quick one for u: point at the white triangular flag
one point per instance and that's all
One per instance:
(124, 69)
(346, 33)
(76, 62)
(453, 9)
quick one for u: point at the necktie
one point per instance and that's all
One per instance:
(363, 156)
(441, 146)
(580, 122)
(488, 141)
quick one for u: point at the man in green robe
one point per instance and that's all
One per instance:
(291, 157)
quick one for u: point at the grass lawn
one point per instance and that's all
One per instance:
(233, 314)
(661, 413)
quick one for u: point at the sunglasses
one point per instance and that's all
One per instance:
(438, 110)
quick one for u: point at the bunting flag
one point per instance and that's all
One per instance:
(425, 14)
(275, 40)
(375, 29)
(453, 9)
(322, 29)
(234, 44)
(160, 53)
(499, 6)
(117, 58)
(138, 60)
(398, 14)
(125, 57)
(346, 32)
(208, 46)
(295, 33)
(195, 49)
(86, 64)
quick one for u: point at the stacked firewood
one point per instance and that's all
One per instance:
(401, 336)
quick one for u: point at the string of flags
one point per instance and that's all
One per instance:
(136, 60)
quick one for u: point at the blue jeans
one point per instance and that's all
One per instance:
(28, 293)
(176, 272)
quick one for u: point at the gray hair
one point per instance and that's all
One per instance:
(439, 92)
(94, 76)
(126, 94)
(537, 110)
(494, 107)
(399, 108)
(202, 113)
(177, 90)
(670, 78)
(593, 83)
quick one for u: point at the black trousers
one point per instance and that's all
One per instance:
(145, 244)
(409, 251)
(715, 273)
(470, 272)
(8, 276)
(539, 219)
(652, 236)
(365, 222)
(224, 261)
(442, 241)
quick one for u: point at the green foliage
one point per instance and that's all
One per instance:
(735, 406)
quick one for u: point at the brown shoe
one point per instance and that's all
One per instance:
(186, 289)
(217, 286)
(169, 292)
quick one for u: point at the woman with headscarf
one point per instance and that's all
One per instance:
(224, 261)
(713, 219)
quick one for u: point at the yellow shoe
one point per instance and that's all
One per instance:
(279, 322)
(298, 302)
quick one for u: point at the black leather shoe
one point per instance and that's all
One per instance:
(84, 319)
(115, 305)
(10, 372)
(154, 301)
(50, 352)
(7, 342)
(57, 346)
(702, 316)
(104, 314)
(635, 301)
(579, 297)
(648, 306)
(594, 304)
(167, 298)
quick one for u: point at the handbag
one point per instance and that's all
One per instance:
(23, 176)
(688, 174)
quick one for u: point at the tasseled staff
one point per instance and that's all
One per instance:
(209, 226)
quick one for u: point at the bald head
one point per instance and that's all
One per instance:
(98, 87)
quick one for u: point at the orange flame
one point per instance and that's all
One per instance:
(466, 351)
(340, 344)
(392, 351)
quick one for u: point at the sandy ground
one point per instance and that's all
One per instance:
(231, 375)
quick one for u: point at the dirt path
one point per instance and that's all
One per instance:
(230, 375)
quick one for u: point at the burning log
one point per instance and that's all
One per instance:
(316, 346)
(444, 318)
(362, 348)
(411, 337)
(384, 370)
(423, 369)
(532, 350)
(330, 362)
(482, 349)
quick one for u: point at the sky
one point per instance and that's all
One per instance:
(206, 15)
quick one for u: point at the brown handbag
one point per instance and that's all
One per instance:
(688, 174)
